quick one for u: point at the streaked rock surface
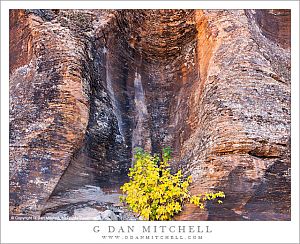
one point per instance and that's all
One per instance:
(88, 85)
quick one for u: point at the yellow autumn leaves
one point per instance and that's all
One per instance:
(200, 199)
(154, 192)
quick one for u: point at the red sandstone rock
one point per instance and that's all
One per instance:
(215, 87)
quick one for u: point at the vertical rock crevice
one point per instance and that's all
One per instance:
(140, 134)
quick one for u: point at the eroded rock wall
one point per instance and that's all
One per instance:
(63, 127)
(49, 107)
(243, 132)
(86, 86)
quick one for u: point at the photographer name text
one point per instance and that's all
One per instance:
(152, 229)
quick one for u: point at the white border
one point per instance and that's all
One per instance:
(81, 231)
(151, 4)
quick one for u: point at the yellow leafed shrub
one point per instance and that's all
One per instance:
(154, 192)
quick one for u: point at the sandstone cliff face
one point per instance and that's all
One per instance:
(87, 86)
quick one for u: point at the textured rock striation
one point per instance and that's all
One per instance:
(87, 86)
